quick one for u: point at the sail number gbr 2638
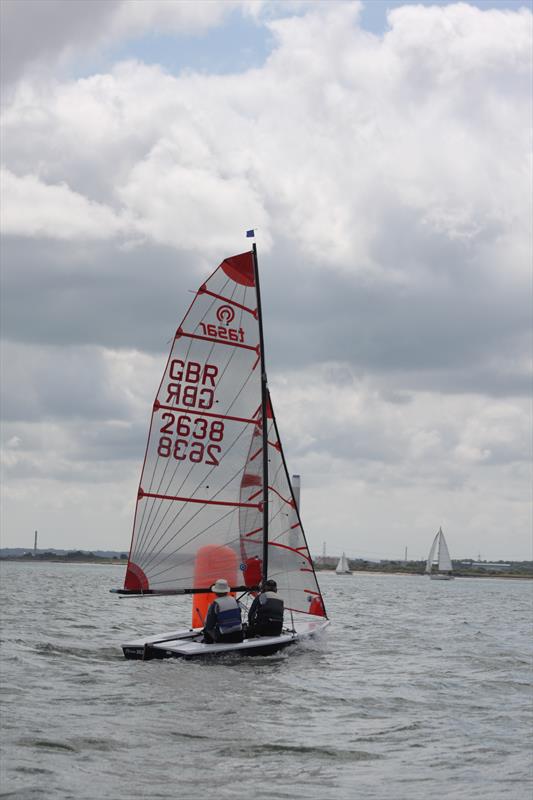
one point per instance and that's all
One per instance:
(197, 438)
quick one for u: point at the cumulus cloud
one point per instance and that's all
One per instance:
(36, 209)
(388, 180)
(37, 33)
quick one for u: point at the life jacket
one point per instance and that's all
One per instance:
(228, 614)
(269, 612)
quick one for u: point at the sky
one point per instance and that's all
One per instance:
(382, 151)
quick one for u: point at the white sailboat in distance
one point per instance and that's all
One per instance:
(342, 567)
(439, 557)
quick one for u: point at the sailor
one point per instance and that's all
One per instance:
(223, 619)
(265, 617)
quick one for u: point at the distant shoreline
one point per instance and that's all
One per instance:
(117, 561)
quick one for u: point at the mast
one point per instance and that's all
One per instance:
(264, 399)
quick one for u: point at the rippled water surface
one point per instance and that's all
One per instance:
(421, 689)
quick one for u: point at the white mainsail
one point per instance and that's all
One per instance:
(439, 555)
(343, 567)
(203, 486)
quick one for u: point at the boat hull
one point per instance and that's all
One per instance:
(441, 577)
(187, 643)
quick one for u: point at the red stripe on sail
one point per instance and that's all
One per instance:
(180, 333)
(251, 533)
(289, 502)
(292, 549)
(240, 268)
(135, 578)
(143, 494)
(250, 480)
(252, 311)
(195, 412)
(252, 458)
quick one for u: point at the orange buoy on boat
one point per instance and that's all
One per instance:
(212, 562)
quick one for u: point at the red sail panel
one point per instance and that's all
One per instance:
(203, 419)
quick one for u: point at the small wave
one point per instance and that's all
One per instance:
(34, 771)
(325, 752)
(46, 744)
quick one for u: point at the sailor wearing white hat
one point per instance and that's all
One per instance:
(223, 619)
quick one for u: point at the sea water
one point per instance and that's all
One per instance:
(420, 689)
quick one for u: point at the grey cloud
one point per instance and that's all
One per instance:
(32, 30)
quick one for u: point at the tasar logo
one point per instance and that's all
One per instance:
(225, 315)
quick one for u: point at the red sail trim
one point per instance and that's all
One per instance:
(256, 494)
(198, 413)
(310, 591)
(181, 333)
(240, 268)
(251, 533)
(298, 525)
(275, 445)
(306, 569)
(289, 502)
(250, 480)
(301, 611)
(292, 549)
(135, 578)
(252, 458)
(252, 311)
(197, 500)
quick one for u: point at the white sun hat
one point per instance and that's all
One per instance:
(221, 586)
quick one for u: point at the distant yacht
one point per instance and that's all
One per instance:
(342, 567)
(439, 556)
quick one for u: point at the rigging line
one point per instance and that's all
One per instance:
(208, 309)
(155, 562)
(154, 575)
(201, 507)
(148, 534)
(225, 543)
(142, 523)
(206, 477)
(202, 482)
(216, 522)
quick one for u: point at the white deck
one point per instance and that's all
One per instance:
(187, 641)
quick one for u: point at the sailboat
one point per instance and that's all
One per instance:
(342, 567)
(439, 555)
(215, 499)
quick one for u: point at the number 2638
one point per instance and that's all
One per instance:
(182, 449)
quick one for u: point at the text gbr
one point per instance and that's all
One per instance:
(191, 385)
